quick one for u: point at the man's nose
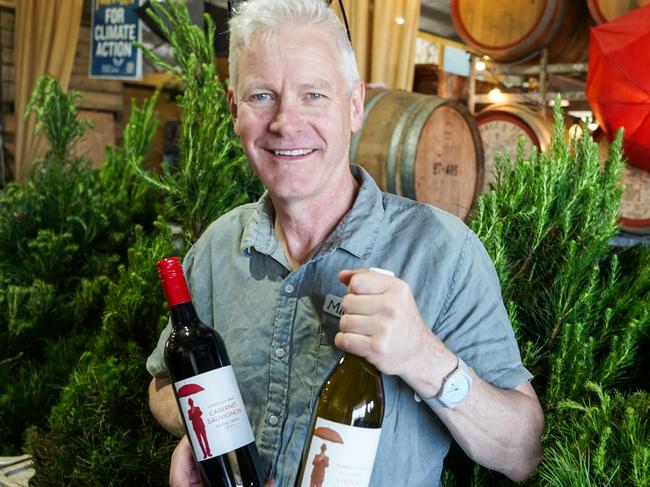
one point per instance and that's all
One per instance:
(288, 118)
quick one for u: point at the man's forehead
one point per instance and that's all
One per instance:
(315, 61)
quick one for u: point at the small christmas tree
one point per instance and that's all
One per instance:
(62, 235)
(579, 308)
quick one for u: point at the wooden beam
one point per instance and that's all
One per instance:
(446, 42)
(8, 4)
(535, 69)
(101, 101)
(532, 97)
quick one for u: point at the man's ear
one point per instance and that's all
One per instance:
(357, 100)
(232, 104)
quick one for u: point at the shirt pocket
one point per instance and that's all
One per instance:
(330, 327)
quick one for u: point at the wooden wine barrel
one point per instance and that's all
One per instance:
(501, 127)
(422, 147)
(517, 30)
(605, 10)
(635, 203)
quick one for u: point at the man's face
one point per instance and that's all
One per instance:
(295, 115)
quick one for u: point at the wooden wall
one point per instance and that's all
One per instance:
(101, 104)
(102, 101)
(8, 73)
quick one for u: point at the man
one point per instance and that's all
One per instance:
(264, 273)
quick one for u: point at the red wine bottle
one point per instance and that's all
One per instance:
(206, 391)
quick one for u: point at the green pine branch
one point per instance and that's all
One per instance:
(579, 307)
(212, 175)
(56, 117)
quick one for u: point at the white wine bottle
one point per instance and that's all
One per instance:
(346, 425)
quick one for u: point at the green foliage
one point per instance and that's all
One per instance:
(32, 385)
(119, 177)
(57, 117)
(135, 307)
(101, 432)
(601, 440)
(62, 235)
(212, 175)
(548, 226)
(578, 305)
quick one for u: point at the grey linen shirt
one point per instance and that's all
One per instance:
(281, 341)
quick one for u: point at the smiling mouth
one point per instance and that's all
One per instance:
(293, 152)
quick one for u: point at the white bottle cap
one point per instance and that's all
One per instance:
(379, 270)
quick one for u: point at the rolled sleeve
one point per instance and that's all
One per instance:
(474, 322)
(156, 361)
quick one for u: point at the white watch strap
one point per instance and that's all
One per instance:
(434, 402)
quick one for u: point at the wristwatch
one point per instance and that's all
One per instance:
(454, 389)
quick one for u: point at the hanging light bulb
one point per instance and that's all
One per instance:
(496, 95)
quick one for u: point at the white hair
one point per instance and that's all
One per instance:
(260, 19)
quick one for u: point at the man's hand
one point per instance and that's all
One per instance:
(382, 323)
(183, 471)
(499, 429)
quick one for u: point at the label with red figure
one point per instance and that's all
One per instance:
(340, 455)
(214, 413)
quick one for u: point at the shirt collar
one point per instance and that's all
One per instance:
(258, 232)
(356, 232)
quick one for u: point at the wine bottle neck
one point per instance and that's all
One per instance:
(183, 314)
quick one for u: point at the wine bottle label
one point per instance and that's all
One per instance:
(214, 413)
(340, 455)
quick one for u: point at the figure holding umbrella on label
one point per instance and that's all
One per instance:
(321, 461)
(195, 415)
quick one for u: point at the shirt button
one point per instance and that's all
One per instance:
(279, 352)
(273, 420)
(288, 288)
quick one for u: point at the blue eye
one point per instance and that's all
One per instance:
(261, 96)
(315, 96)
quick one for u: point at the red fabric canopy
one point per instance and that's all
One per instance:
(618, 81)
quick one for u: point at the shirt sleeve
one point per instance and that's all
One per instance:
(474, 323)
(155, 361)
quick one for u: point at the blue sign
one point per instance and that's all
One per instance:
(115, 26)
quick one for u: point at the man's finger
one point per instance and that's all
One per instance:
(358, 304)
(353, 343)
(346, 274)
(364, 281)
(359, 325)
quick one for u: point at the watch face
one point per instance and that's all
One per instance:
(456, 389)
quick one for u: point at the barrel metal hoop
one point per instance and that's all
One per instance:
(395, 148)
(356, 137)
